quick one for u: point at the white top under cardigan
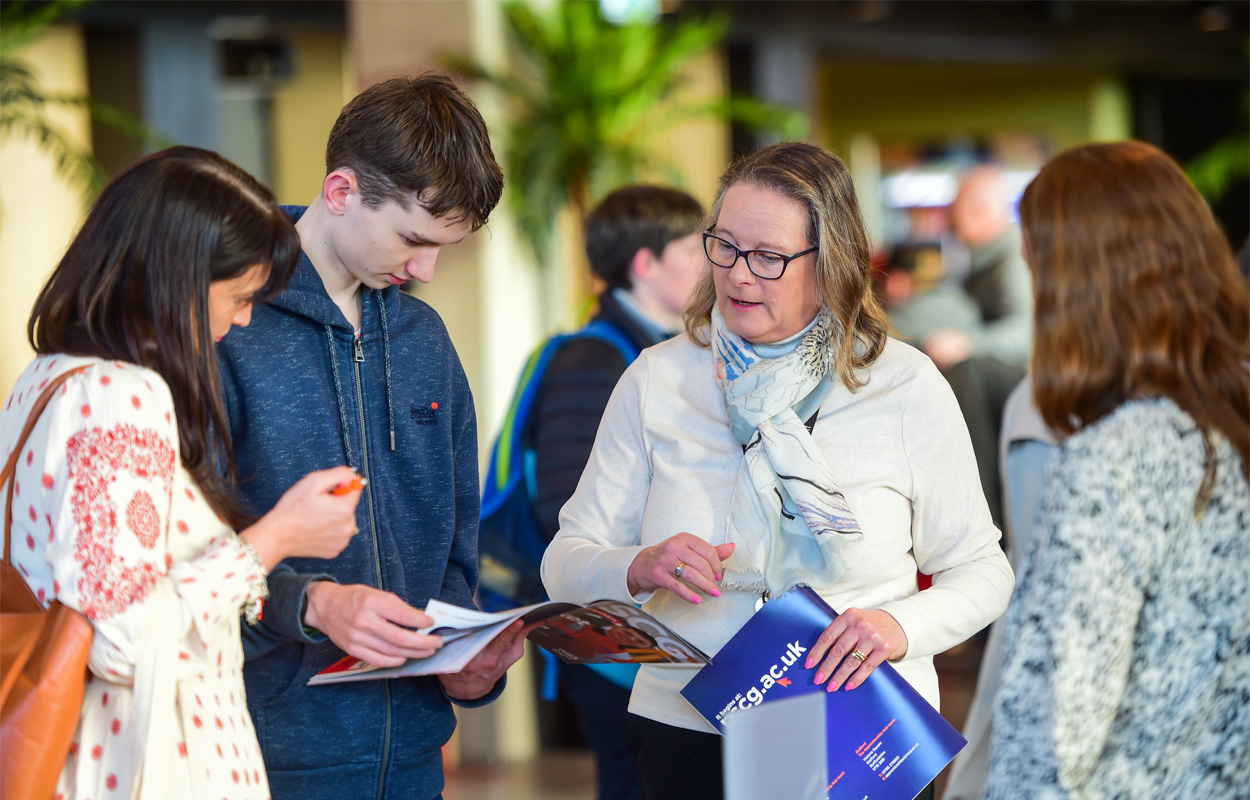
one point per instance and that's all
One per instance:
(664, 461)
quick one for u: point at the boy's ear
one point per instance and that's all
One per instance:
(338, 186)
(642, 266)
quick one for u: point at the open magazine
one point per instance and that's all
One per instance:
(882, 739)
(604, 632)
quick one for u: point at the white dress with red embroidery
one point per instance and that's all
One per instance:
(107, 521)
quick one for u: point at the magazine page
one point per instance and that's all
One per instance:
(453, 622)
(612, 632)
(883, 740)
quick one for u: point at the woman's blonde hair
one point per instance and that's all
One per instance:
(1136, 295)
(817, 179)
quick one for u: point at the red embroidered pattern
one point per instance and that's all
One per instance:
(95, 458)
(143, 518)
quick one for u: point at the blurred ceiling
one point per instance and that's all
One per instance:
(1164, 38)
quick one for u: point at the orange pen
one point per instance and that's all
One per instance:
(355, 485)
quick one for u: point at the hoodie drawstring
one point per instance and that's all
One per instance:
(386, 364)
(338, 393)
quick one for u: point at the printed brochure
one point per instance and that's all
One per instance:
(883, 740)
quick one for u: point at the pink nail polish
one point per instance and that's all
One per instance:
(715, 593)
(849, 686)
(698, 599)
(820, 676)
(718, 577)
(807, 664)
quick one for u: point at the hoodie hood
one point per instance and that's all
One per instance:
(306, 294)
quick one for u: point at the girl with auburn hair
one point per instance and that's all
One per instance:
(1125, 646)
(784, 440)
(118, 508)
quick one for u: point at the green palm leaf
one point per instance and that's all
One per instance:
(586, 99)
(24, 105)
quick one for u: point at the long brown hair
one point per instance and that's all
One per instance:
(818, 180)
(133, 286)
(1136, 295)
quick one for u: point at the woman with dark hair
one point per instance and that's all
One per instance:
(118, 509)
(1126, 650)
(784, 440)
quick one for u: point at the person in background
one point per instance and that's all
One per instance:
(991, 272)
(976, 325)
(118, 510)
(1027, 446)
(785, 380)
(1125, 668)
(644, 243)
(343, 365)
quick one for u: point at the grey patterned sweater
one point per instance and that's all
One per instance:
(1126, 658)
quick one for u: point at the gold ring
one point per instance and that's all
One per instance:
(680, 566)
(355, 530)
(861, 656)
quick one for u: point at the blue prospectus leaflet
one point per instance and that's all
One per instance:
(884, 741)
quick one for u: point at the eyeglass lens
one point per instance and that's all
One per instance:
(762, 263)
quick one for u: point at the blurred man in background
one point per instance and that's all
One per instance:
(976, 324)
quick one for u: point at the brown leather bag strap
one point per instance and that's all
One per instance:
(9, 475)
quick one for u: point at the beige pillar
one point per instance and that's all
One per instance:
(41, 210)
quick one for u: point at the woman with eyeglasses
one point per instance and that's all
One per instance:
(784, 440)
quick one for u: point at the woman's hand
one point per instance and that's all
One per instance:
(677, 564)
(308, 521)
(873, 634)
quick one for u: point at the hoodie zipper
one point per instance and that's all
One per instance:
(358, 353)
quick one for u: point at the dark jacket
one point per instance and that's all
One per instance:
(571, 399)
(303, 394)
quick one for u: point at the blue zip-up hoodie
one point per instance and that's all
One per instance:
(303, 393)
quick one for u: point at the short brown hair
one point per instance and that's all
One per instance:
(418, 139)
(817, 179)
(1136, 294)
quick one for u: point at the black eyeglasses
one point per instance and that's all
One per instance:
(763, 264)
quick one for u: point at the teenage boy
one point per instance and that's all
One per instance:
(644, 242)
(343, 367)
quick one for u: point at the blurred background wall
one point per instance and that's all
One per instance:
(909, 93)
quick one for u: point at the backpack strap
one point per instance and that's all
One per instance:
(606, 331)
(506, 460)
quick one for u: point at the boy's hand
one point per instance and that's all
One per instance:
(481, 674)
(369, 623)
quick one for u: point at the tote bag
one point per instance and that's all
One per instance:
(43, 663)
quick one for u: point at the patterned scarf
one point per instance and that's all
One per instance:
(788, 516)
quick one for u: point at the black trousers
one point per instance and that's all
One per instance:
(601, 708)
(676, 763)
(680, 764)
